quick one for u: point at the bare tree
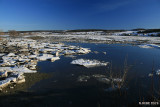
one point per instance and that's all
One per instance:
(13, 33)
(1, 32)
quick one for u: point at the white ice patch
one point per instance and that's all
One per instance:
(17, 69)
(11, 54)
(149, 46)
(158, 72)
(2, 54)
(44, 57)
(145, 46)
(89, 63)
(7, 81)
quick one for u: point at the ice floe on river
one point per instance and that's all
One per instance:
(89, 63)
(158, 72)
(116, 83)
(149, 46)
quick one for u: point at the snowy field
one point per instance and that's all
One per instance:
(104, 38)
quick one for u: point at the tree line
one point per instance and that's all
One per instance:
(10, 32)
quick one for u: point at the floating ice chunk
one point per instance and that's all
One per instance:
(17, 69)
(11, 54)
(83, 78)
(32, 56)
(98, 76)
(19, 77)
(145, 46)
(154, 45)
(7, 81)
(8, 59)
(54, 58)
(83, 51)
(22, 80)
(16, 74)
(70, 56)
(23, 60)
(4, 83)
(3, 69)
(150, 74)
(31, 66)
(23, 69)
(158, 72)
(12, 79)
(68, 52)
(88, 63)
(117, 79)
(2, 54)
(55, 53)
(56, 44)
(47, 57)
(96, 52)
(44, 57)
(149, 46)
(23, 50)
(3, 74)
(10, 63)
(38, 47)
(104, 80)
(46, 50)
(101, 78)
(105, 53)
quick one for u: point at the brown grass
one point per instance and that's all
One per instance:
(122, 76)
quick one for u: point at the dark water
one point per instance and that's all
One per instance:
(138, 85)
(63, 89)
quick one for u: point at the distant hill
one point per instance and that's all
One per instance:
(138, 29)
(150, 31)
(54, 31)
(92, 30)
(141, 30)
(77, 30)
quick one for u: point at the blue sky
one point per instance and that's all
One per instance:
(78, 14)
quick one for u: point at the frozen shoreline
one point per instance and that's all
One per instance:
(26, 53)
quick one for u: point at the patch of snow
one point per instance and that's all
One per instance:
(11, 54)
(54, 58)
(104, 80)
(158, 72)
(150, 75)
(17, 69)
(149, 46)
(117, 79)
(89, 63)
(44, 57)
(7, 81)
(2, 54)
(145, 46)
(83, 78)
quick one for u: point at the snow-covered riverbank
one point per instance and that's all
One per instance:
(26, 53)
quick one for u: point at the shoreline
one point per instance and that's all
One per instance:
(97, 39)
(31, 80)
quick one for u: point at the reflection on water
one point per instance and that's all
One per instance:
(65, 84)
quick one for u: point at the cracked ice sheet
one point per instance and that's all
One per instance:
(17, 69)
